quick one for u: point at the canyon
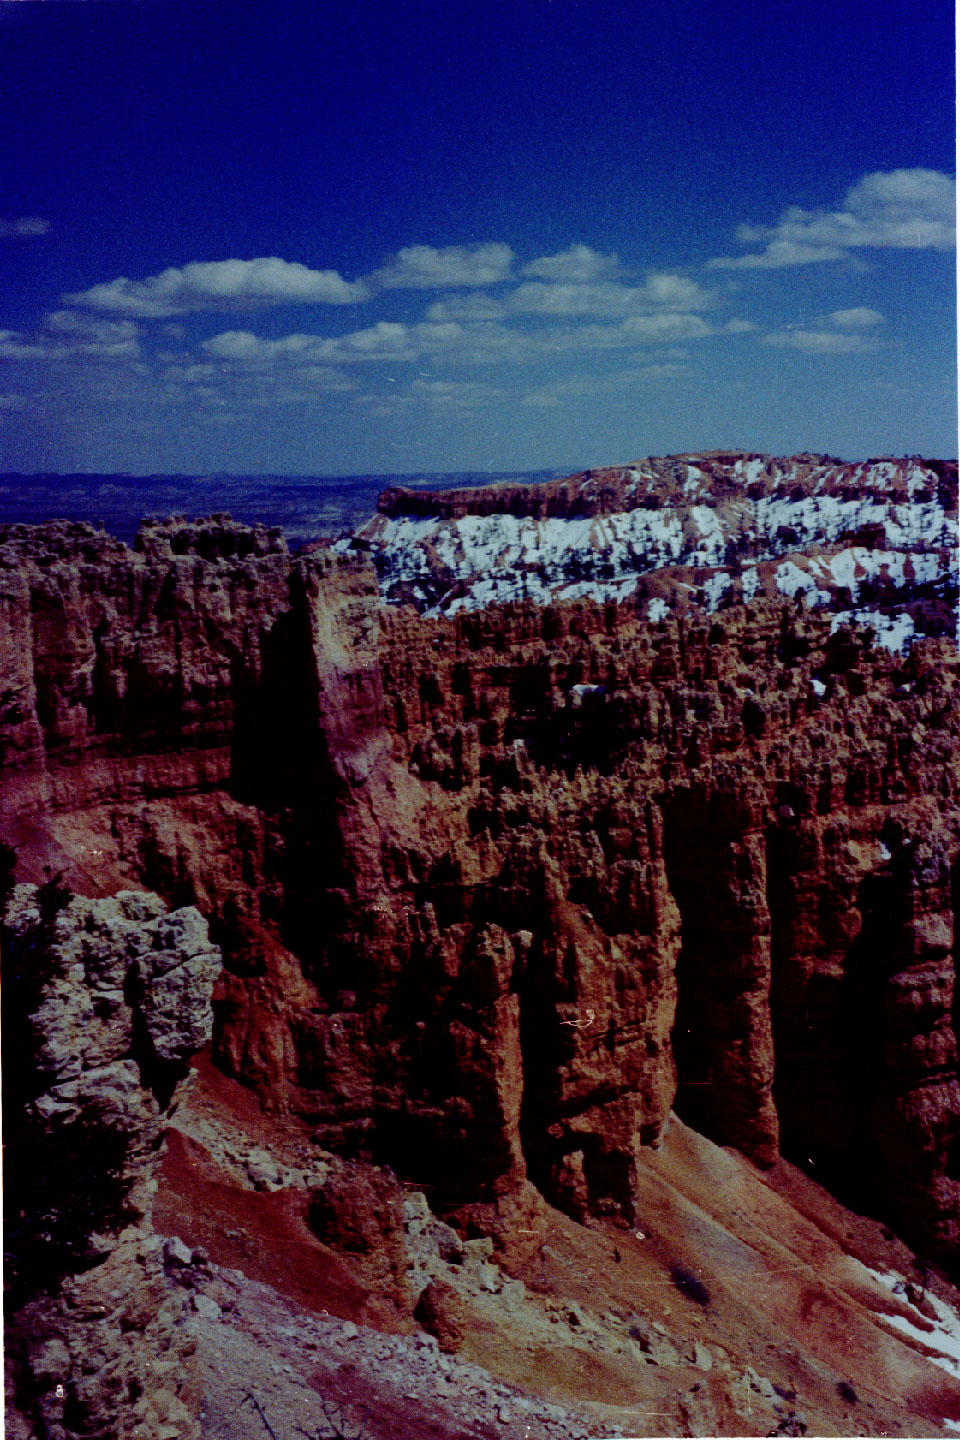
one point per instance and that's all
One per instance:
(576, 854)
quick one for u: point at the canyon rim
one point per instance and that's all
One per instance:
(499, 966)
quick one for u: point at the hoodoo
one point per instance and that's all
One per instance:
(529, 816)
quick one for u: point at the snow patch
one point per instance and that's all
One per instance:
(477, 560)
(942, 1335)
(715, 588)
(695, 482)
(791, 580)
(890, 632)
(713, 541)
(749, 470)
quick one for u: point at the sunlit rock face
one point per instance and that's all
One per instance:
(499, 884)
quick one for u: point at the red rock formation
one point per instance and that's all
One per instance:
(495, 891)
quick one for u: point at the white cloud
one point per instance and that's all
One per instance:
(261, 386)
(387, 340)
(66, 336)
(892, 209)
(220, 285)
(607, 298)
(911, 209)
(861, 317)
(424, 267)
(839, 333)
(23, 227)
(477, 343)
(15, 346)
(820, 342)
(467, 307)
(242, 347)
(579, 265)
(656, 370)
(556, 340)
(454, 394)
(665, 328)
(778, 254)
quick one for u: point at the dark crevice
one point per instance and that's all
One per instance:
(545, 1046)
(159, 1076)
(955, 1015)
(717, 970)
(828, 1023)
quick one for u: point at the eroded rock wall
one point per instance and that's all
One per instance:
(104, 1003)
(496, 890)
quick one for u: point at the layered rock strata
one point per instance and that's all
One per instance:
(874, 541)
(497, 889)
(104, 1001)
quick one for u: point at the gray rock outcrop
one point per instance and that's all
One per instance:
(104, 1002)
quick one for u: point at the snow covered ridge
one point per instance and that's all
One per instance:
(874, 541)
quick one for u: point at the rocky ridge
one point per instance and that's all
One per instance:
(496, 889)
(873, 541)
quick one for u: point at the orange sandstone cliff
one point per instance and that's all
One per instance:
(497, 889)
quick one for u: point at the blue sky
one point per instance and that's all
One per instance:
(330, 239)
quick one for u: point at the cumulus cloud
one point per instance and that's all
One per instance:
(861, 317)
(424, 267)
(820, 342)
(841, 332)
(387, 340)
(467, 307)
(23, 227)
(778, 254)
(458, 344)
(477, 343)
(568, 299)
(577, 266)
(220, 285)
(890, 209)
(259, 386)
(665, 328)
(16, 346)
(67, 336)
(608, 298)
